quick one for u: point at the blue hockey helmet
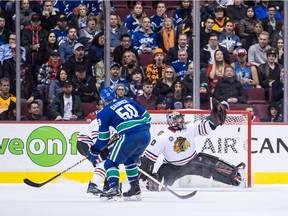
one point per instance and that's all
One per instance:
(107, 94)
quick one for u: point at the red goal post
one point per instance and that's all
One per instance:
(230, 142)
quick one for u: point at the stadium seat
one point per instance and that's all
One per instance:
(145, 59)
(255, 95)
(238, 106)
(120, 4)
(261, 110)
(123, 13)
(24, 109)
(88, 108)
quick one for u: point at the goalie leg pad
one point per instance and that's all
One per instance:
(171, 173)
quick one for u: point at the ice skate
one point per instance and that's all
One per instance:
(94, 189)
(133, 194)
(113, 193)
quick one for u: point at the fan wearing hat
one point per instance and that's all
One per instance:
(156, 70)
(188, 102)
(115, 77)
(245, 72)
(161, 103)
(269, 71)
(61, 29)
(220, 19)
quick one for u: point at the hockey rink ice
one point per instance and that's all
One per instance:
(67, 198)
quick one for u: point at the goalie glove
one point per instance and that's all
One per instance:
(218, 114)
(147, 165)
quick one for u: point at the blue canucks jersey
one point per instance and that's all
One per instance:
(125, 115)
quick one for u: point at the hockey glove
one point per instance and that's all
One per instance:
(218, 114)
(93, 154)
(147, 165)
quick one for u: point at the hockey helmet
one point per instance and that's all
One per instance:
(175, 120)
(107, 94)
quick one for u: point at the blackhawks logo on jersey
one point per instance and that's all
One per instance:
(181, 144)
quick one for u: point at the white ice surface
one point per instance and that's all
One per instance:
(67, 198)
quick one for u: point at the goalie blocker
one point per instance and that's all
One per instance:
(180, 157)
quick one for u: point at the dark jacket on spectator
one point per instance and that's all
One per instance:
(172, 54)
(205, 56)
(161, 88)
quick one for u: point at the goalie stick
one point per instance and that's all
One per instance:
(34, 184)
(167, 188)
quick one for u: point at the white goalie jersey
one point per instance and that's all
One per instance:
(178, 147)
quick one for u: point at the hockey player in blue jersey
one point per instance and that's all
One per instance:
(132, 123)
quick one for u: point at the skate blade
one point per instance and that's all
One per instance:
(91, 195)
(114, 198)
(133, 198)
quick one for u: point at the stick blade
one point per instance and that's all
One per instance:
(187, 196)
(32, 184)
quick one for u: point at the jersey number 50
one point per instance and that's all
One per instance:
(127, 112)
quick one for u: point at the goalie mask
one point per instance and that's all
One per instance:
(175, 120)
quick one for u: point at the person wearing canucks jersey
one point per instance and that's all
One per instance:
(132, 123)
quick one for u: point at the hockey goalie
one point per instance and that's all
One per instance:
(177, 145)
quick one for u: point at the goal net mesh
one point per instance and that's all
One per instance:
(230, 142)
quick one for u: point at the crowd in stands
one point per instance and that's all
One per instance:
(151, 56)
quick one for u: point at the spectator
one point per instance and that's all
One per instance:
(4, 32)
(129, 63)
(245, 72)
(278, 33)
(163, 86)
(253, 38)
(236, 11)
(144, 40)
(261, 10)
(269, 72)
(270, 23)
(278, 89)
(166, 37)
(96, 51)
(181, 64)
(257, 52)
(147, 99)
(10, 113)
(155, 70)
(66, 106)
(116, 30)
(49, 15)
(136, 84)
(220, 19)
(176, 100)
(229, 89)
(188, 102)
(78, 58)
(158, 19)
(172, 54)
(6, 50)
(31, 38)
(280, 51)
(115, 77)
(121, 90)
(5, 97)
(132, 20)
(274, 114)
(61, 29)
(207, 53)
(254, 118)
(215, 71)
(87, 34)
(183, 11)
(47, 48)
(55, 86)
(25, 14)
(246, 24)
(66, 48)
(48, 72)
(206, 31)
(161, 103)
(84, 85)
(28, 89)
(228, 39)
(34, 113)
(126, 45)
(79, 20)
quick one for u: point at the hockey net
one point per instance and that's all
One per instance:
(230, 142)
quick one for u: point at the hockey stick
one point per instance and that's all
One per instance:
(166, 188)
(34, 184)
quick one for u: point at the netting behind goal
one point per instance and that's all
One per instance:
(230, 142)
